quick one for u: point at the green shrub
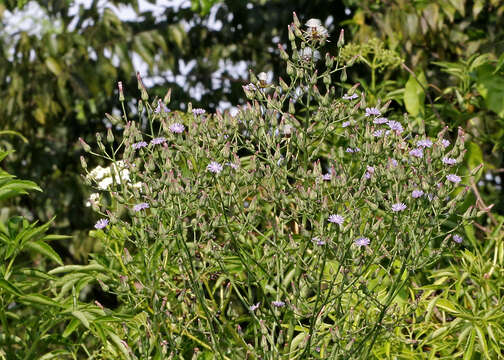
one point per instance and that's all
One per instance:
(288, 230)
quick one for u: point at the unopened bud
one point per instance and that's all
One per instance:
(83, 162)
(167, 97)
(283, 54)
(140, 106)
(329, 60)
(296, 20)
(253, 78)
(343, 76)
(283, 84)
(291, 34)
(121, 94)
(113, 119)
(341, 40)
(142, 88)
(99, 142)
(85, 146)
(110, 136)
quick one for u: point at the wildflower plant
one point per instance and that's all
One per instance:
(276, 233)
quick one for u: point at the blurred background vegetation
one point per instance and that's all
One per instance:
(59, 74)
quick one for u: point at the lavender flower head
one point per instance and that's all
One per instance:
(380, 120)
(424, 143)
(445, 143)
(214, 167)
(101, 224)
(139, 145)
(141, 206)
(161, 108)
(395, 126)
(378, 133)
(327, 177)
(198, 111)
(393, 162)
(176, 128)
(278, 303)
(350, 97)
(254, 307)
(457, 238)
(158, 140)
(372, 111)
(415, 194)
(362, 241)
(336, 219)
(317, 241)
(398, 207)
(417, 153)
(345, 124)
(449, 161)
(453, 178)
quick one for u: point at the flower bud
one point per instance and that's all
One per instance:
(142, 88)
(343, 76)
(83, 162)
(121, 94)
(341, 39)
(140, 106)
(283, 84)
(85, 146)
(296, 20)
(167, 97)
(110, 136)
(291, 34)
(283, 54)
(329, 60)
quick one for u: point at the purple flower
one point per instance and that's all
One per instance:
(398, 207)
(345, 124)
(415, 194)
(336, 219)
(176, 128)
(424, 143)
(139, 145)
(369, 172)
(393, 162)
(350, 97)
(317, 241)
(214, 167)
(327, 177)
(453, 178)
(278, 303)
(449, 161)
(250, 87)
(198, 111)
(254, 307)
(140, 206)
(445, 143)
(234, 166)
(378, 133)
(380, 120)
(416, 153)
(395, 126)
(362, 241)
(349, 150)
(102, 223)
(161, 108)
(372, 111)
(457, 238)
(157, 141)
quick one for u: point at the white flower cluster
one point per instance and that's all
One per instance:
(102, 176)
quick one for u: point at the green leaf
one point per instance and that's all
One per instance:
(39, 299)
(44, 249)
(70, 268)
(6, 285)
(482, 341)
(469, 347)
(53, 66)
(447, 305)
(72, 325)
(414, 95)
(82, 317)
(491, 88)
